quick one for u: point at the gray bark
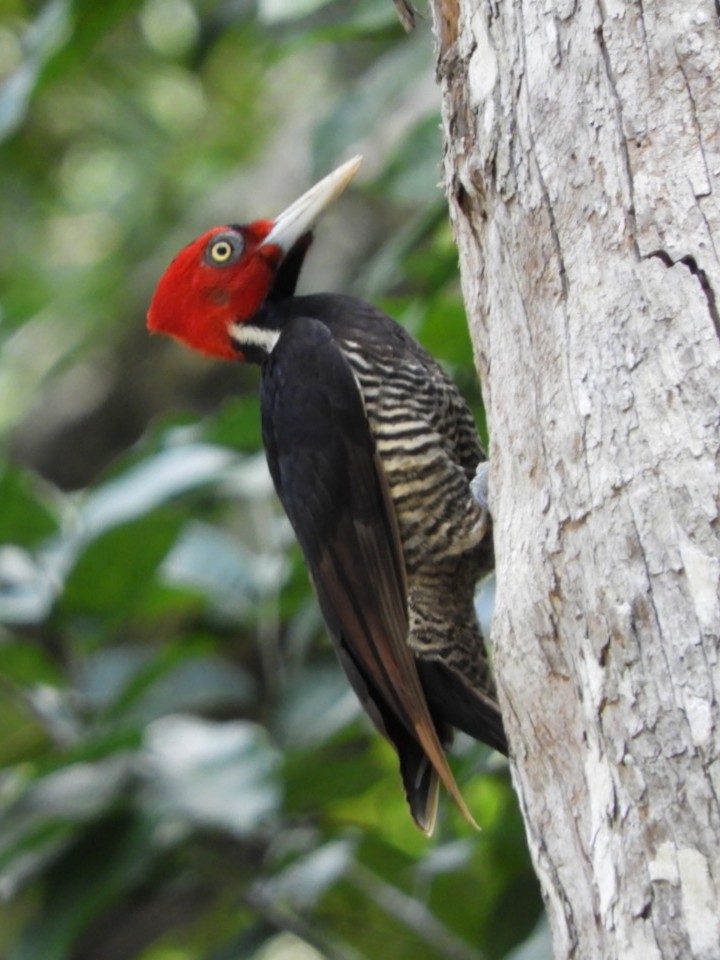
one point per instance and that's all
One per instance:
(583, 173)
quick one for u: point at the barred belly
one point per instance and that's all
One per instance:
(429, 451)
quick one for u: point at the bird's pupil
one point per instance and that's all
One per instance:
(222, 250)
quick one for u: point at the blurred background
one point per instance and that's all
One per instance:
(184, 772)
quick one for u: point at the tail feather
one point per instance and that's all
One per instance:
(470, 709)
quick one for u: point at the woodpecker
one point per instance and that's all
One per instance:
(372, 452)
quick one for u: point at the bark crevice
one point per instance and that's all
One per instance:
(706, 286)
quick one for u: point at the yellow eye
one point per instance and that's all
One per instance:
(224, 248)
(221, 251)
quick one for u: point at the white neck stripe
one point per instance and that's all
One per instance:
(247, 335)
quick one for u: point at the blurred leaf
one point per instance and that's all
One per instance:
(42, 39)
(355, 115)
(237, 425)
(275, 10)
(386, 269)
(413, 175)
(221, 775)
(36, 825)
(55, 707)
(338, 780)
(319, 703)
(286, 946)
(447, 858)
(153, 483)
(92, 21)
(84, 881)
(27, 589)
(23, 661)
(332, 21)
(218, 565)
(199, 684)
(307, 879)
(444, 329)
(25, 516)
(424, 933)
(133, 553)
(105, 675)
(77, 792)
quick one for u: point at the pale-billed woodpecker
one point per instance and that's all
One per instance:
(372, 451)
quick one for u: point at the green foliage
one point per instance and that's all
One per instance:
(184, 772)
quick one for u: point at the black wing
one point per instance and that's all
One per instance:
(327, 474)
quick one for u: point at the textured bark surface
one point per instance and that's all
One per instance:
(583, 173)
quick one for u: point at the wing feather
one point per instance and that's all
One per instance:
(331, 482)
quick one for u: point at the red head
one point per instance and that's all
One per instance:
(224, 277)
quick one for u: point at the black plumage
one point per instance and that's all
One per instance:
(372, 450)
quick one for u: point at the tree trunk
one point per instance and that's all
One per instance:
(583, 173)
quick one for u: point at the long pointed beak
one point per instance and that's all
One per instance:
(301, 216)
